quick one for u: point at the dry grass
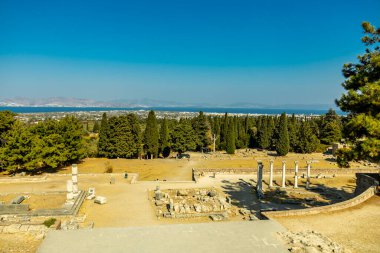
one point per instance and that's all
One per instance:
(35, 201)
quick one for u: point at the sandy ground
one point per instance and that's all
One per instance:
(128, 204)
(357, 228)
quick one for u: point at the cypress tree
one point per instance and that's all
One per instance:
(164, 138)
(331, 129)
(292, 129)
(282, 147)
(230, 141)
(103, 137)
(202, 131)
(264, 141)
(224, 131)
(307, 140)
(183, 137)
(151, 135)
(96, 127)
(271, 132)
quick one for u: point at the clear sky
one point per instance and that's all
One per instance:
(196, 51)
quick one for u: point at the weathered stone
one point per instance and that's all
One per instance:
(18, 200)
(203, 192)
(158, 195)
(33, 228)
(215, 217)
(24, 228)
(212, 193)
(100, 200)
(159, 202)
(205, 209)
(11, 229)
(183, 193)
(187, 208)
(176, 207)
(40, 236)
(197, 208)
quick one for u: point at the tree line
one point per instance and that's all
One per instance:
(126, 137)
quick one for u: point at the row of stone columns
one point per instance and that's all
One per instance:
(260, 168)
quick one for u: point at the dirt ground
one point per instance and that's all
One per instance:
(357, 228)
(18, 243)
(40, 201)
(128, 204)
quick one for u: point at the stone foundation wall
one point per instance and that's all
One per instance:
(14, 208)
(324, 209)
(367, 185)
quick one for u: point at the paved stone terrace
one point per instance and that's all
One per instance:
(254, 236)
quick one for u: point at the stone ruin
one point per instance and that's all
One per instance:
(188, 203)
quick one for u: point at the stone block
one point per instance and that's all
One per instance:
(100, 200)
(11, 229)
(182, 193)
(24, 228)
(18, 200)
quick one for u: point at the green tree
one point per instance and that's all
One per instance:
(230, 141)
(202, 130)
(331, 129)
(96, 127)
(293, 135)
(307, 140)
(151, 135)
(103, 137)
(6, 121)
(282, 145)
(183, 137)
(263, 134)
(362, 100)
(164, 138)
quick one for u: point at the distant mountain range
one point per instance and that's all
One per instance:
(139, 103)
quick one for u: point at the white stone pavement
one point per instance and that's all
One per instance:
(246, 236)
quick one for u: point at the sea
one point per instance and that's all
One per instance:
(260, 111)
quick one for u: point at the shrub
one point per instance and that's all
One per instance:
(49, 222)
(344, 156)
(108, 167)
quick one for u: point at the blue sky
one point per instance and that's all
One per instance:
(219, 52)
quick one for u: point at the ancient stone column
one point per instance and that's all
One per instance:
(69, 186)
(296, 174)
(74, 178)
(271, 174)
(259, 185)
(283, 174)
(308, 175)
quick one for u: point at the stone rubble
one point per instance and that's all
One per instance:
(310, 242)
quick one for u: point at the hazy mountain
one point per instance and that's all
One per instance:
(140, 103)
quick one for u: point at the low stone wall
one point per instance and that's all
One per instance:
(366, 180)
(324, 209)
(200, 172)
(73, 210)
(20, 179)
(14, 208)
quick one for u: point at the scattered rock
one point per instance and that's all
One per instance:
(183, 193)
